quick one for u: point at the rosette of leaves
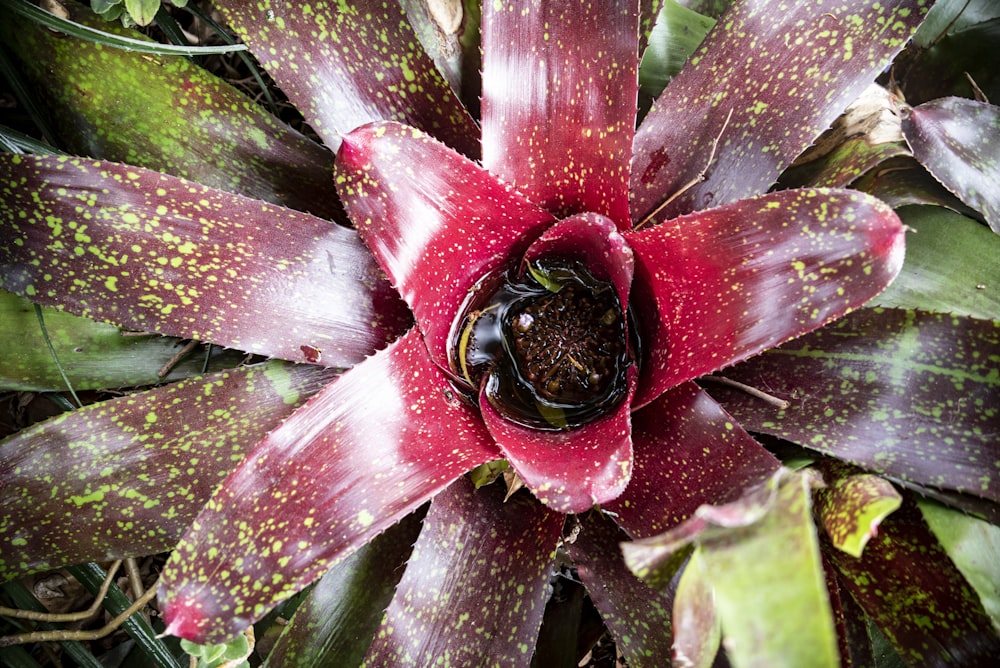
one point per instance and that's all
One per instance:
(228, 227)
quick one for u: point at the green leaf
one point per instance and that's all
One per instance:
(761, 556)
(951, 266)
(953, 63)
(852, 506)
(142, 11)
(103, 6)
(952, 16)
(92, 576)
(486, 474)
(772, 603)
(676, 35)
(908, 394)
(232, 654)
(93, 355)
(126, 477)
(974, 547)
(697, 630)
(552, 279)
(26, 9)
(12, 141)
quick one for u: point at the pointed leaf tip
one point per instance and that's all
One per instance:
(958, 141)
(185, 619)
(368, 450)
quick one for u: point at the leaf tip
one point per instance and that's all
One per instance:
(184, 619)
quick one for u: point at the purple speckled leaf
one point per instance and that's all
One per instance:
(749, 275)
(169, 114)
(688, 452)
(476, 584)
(784, 71)
(638, 616)
(336, 622)
(911, 589)
(156, 253)
(350, 63)
(909, 394)
(126, 477)
(436, 221)
(449, 33)
(852, 625)
(370, 449)
(951, 266)
(958, 141)
(560, 84)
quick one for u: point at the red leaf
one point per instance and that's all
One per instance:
(784, 74)
(568, 470)
(591, 240)
(688, 452)
(436, 221)
(747, 276)
(365, 452)
(476, 584)
(156, 253)
(350, 63)
(560, 84)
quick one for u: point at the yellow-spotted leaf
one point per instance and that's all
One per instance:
(126, 477)
(852, 505)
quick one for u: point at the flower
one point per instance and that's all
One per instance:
(705, 270)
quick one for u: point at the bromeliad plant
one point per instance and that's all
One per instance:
(560, 275)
